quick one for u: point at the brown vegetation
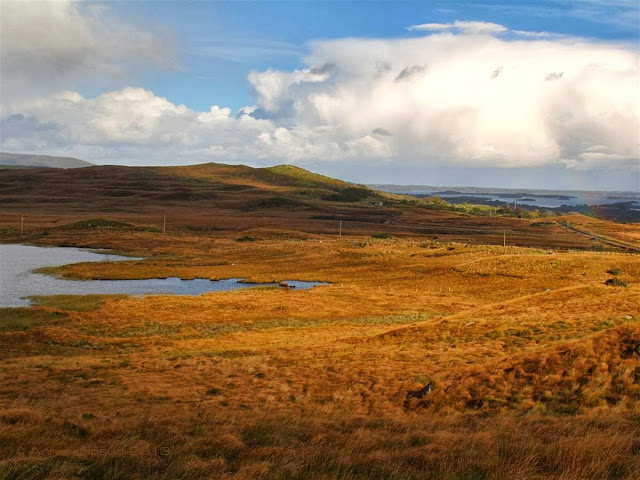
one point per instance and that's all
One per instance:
(533, 361)
(224, 200)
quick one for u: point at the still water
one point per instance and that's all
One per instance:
(18, 281)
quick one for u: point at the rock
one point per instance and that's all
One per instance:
(420, 393)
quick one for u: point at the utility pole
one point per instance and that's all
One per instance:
(504, 238)
(164, 224)
(21, 224)
(340, 229)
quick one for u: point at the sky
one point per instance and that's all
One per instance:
(513, 94)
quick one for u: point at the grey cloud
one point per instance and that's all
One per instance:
(409, 72)
(381, 131)
(260, 114)
(20, 128)
(16, 123)
(553, 76)
(327, 68)
(382, 67)
(254, 112)
(44, 45)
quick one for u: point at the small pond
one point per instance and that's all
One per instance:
(18, 281)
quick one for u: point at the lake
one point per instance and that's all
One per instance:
(525, 197)
(18, 281)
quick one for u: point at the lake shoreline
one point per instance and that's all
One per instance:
(20, 281)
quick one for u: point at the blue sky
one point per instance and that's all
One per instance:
(219, 42)
(525, 94)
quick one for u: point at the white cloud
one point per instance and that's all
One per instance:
(462, 26)
(431, 27)
(133, 126)
(460, 97)
(467, 98)
(479, 28)
(526, 33)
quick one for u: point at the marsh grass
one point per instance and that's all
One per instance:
(76, 303)
(382, 236)
(15, 319)
(533, 362)
(276, 447)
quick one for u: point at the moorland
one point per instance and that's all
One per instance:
(451, 343)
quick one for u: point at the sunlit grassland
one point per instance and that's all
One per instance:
(533, 359)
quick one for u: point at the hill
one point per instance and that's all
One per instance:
(236, 200)
(27, 160)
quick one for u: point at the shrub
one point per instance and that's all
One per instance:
(382, 236)
(276, 202)
(615, 282)
(351, 194)
(615, 271)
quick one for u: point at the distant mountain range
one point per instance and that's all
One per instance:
(19, 160)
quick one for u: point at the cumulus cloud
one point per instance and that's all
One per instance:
(479, 100)
(134, 126)
(462, 97)
(44, 45)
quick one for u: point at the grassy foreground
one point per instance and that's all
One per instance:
(531, 359)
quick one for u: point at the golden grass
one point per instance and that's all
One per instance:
(627, 233)
(534, 363)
